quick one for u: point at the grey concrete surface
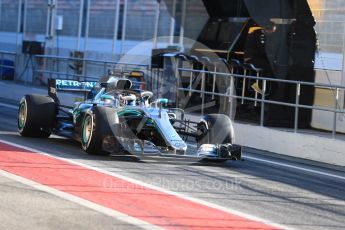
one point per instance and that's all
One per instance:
(23, 207)
(284, 195)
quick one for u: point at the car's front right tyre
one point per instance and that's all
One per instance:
(97, 124)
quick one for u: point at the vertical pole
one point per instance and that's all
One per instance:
(124, 26)
(336, 103)
(263, 103)
(50, 33)
(298, 94)
(183, 20)
(55, 32)
(231, 98)
(155, 32)
(49, 19)
(177, 76)
(20, 3)
(54, 11)
(24, 32)
(256, 93)
(116, 27)
(172, 22)
(343, 66)
(86, 37)
(227, 82)
(244, 86)
(24, 18)
(19, 18)
(87, 25)
(342, 101)
(80, 23)
(191, 81)
(203, 89)
(214, 81)
(0, 12)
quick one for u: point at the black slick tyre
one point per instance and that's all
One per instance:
(36, 116)
(97, 124)
(215, 129)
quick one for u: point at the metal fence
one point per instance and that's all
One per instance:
(42, 67)
(263, 101)
(60, 67)
(80, 69)
(36, 69)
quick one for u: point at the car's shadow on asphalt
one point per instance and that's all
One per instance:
(71, 149)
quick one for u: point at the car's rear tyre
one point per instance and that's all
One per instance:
(215, 129)
(36, 116)
(97, 124)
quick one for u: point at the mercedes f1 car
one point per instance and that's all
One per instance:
(116, 118)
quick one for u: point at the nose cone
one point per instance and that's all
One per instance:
(179, 145)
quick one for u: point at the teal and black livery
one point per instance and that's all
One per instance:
(55, 85)
(115, 118)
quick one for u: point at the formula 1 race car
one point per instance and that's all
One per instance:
(116, 118)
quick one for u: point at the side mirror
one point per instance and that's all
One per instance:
(159, 102)
(162, 101)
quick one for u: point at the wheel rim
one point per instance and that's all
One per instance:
(22, 115)
(87, 130)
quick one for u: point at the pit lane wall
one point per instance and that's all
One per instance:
(306, 146)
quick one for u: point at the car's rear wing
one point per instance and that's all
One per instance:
(55, 85)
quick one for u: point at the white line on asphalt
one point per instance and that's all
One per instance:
(290, 166)
(107, 211)
(183, 196)
(8, 105)
(295, 167)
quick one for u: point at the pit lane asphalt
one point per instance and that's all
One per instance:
(262, 185)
